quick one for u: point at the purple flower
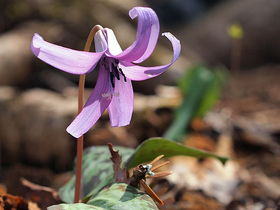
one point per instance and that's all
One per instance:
(113, 90)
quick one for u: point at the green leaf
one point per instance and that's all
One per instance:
(213, 92)
(201, 88)
(76, 206)
(97, 172)
(116, 196)
(154, 147)
(122, 196)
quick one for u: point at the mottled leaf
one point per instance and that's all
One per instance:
(97, 172)
(122, 196)
(75, 206)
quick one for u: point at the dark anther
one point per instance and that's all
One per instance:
(105, 63)
(116, 61)
(116, 72)
(112, 79)
(124, 77)
(106, 66)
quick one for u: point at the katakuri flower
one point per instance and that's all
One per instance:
(113, 90)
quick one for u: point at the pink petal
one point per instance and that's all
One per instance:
(121, 108)
(68, 60)
(138, 73)
(146, 36)
(113, 45)
(100, 41)
(94, 107)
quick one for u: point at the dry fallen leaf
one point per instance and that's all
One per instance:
(8, 201)
(119, 173)
(41, 195)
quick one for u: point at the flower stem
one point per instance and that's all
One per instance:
(80, 140)
(80, 143)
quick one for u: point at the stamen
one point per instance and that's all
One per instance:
(124, 77)
(105, 63)
(112, 79)
(111, 64)
(116, 61)
(109, 95)
(116, 72)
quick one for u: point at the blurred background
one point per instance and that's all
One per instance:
(37, 102)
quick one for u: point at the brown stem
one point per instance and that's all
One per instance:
(80, 107)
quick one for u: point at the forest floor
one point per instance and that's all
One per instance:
(244, 125)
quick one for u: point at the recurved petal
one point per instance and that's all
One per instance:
(113, 44)
(121, 108)
(146, 36)
(94, 107)
(68, 60)
(138, 73)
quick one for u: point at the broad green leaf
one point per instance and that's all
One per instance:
(122, 196)
(201, 89)
(76, 206)
(97, 172)
(154, 147)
